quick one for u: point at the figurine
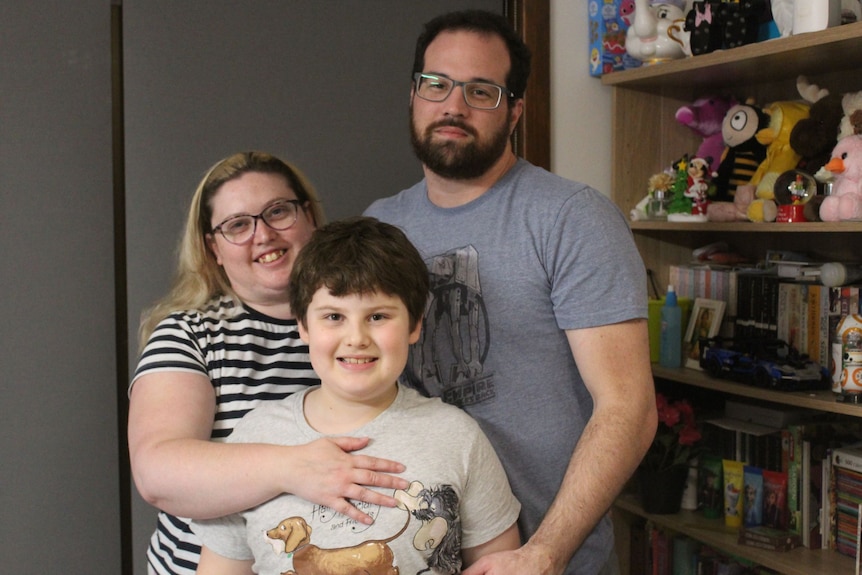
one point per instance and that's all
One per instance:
(647, 39)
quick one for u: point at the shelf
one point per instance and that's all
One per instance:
(813, 54)
(772, 228)
(716, 534)
(645, 138)
(823, 400)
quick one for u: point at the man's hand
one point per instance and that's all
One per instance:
(530, 559)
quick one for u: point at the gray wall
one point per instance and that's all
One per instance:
(322, 83)
(203, 79)
(59, 469)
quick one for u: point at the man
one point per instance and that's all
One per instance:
(536, 324)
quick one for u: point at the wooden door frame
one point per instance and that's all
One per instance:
(532, 18)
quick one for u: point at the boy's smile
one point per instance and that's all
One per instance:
(358, 346)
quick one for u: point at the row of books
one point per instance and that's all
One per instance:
(788, 465)
(842, 502)
(654, 551)
(763, 304)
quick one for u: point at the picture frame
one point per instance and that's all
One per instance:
(705, 321)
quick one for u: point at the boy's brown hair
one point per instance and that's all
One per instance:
(359, 255)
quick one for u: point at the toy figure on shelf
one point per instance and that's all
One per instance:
(647, 39)
(704, 25)
(814, 137)
(704, 117)
(685, 191)
(793, 190)
(741, 19)
(780, 155)
(742, 153)
(698, 186)
(845, 201)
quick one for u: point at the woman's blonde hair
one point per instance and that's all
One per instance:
(199, 278)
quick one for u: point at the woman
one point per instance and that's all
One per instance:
(221, 342)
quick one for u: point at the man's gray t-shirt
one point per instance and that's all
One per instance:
(510, 271)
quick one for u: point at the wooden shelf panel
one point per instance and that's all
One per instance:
(716, 534)
(814, 54)
(771, 228)
(823, 400)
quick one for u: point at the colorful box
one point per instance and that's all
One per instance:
(609, 20)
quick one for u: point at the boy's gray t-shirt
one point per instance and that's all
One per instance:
(459, 495)
(533, 256)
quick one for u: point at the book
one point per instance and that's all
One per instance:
(639, 551)
(662, 552)
(848, 457)
(826, 502)
(769, 538)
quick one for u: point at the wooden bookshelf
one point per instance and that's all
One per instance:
(646, 139)
(716, 534)
(820, 400)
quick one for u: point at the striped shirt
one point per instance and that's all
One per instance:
(249, 358)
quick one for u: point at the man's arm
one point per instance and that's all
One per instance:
(614, 363)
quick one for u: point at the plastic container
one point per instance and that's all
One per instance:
(670, 344)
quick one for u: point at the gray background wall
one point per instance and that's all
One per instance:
(59, 467)
(59, 470)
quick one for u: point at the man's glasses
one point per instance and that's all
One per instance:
(479, 95)
(278, 216)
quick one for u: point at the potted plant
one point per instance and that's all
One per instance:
(664, 469)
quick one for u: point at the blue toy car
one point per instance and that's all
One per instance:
(768, 363)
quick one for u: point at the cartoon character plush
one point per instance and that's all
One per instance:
(742, 153)
(705, 26)
(814, 137)
(704, 117)
(845, 202)
(741, 20)
(780, 156)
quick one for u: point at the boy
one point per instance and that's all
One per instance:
(358, 291)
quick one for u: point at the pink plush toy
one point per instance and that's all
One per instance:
(704, 116)
(845, 202)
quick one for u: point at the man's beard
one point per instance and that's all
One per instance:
(456, 160)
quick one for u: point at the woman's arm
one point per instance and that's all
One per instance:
(179, 470)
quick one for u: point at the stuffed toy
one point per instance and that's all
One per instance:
(704, 117)
(851, 122)
(814, 137)
(735, 211)
(704, 26)
(742, 153)
(740, 21)
(845, 201)
(780, 156)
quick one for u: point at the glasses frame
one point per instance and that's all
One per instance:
(417, 77)
(298, 204)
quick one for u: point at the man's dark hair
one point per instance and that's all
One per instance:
(359, 255)
(481, 22)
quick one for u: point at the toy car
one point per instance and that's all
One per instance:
(769, 363)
